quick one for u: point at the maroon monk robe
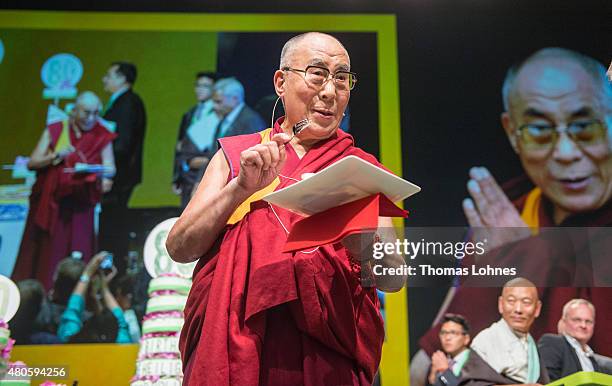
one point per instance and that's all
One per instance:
(256, 315)
(61, 213)
(479, 305)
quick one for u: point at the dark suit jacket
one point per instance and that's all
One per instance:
(181, 154)
(447, 378)
(559, 356)
(128, 113)
(247, 122)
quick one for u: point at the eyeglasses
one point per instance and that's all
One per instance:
(452, 333)
(318, 76)
(585, 133)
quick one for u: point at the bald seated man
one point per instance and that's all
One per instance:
(257, 315)
(509, 352)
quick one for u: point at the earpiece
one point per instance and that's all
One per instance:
(273, 111)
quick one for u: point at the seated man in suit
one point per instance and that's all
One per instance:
(447, 365)
(569, 352)
(509, 353)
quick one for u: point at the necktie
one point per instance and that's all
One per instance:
(451, 363)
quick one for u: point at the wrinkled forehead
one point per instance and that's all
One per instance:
(551, 81)
(520, 293)
(89, 104)
(320, 50)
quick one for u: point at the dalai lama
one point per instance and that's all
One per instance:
(256, 315)
(558, 113)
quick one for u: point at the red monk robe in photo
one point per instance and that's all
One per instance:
(256, 315)
(480, 304)
(61, 214)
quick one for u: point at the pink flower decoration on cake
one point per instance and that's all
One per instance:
(6, 351)
(160, 334)
(163, 315)
(164, 292)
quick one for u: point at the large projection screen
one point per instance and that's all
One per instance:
(180, 32)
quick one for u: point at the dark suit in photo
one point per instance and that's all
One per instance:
(128, 114)
(559, 356)
(248, 121)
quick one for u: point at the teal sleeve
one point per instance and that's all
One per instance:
(123, 333)
(70, 322)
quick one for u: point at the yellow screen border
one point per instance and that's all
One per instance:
(395, 361)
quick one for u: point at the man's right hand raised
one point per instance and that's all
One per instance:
(490, 211)
(261, 164)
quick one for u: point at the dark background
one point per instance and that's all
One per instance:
(452, 60)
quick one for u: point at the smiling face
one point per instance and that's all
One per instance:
(323, 105)
(519, 306)
(579, 323)
(558, 92)
(86, 111)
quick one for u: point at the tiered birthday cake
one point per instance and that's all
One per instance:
(159, 362)
(11, 373)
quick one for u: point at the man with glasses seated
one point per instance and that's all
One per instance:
(558, 112)
(256, 315)
(447, 364)
(569, 352)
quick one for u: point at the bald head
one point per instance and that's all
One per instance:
(86, 110)
(519, 282)
(303, 40)
(89, 99)
(519, 304)
(555, 68)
